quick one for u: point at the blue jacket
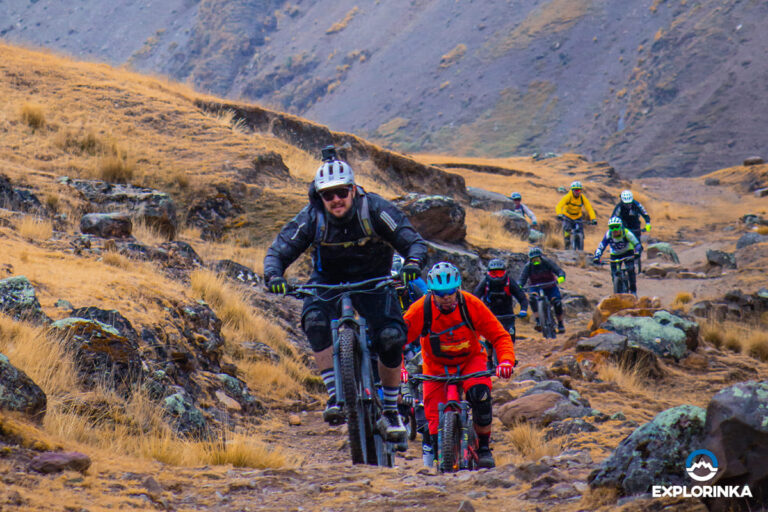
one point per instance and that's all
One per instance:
(621, 246)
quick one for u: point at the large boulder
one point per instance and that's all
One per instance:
(19, 393)
(487, 200)
(437, 218)
(56, 462)
(103, 355)
(469, 263)
(154, 208)
(654, 454)
(18, 300)
(737, 433)
(546, 402)
(513, 222)
(618, 348)
(721, 258)
(18, 199)
(663, 251)
(237, 272)
(213, 213)
(107, 225)
(750, 239)
(665, 334)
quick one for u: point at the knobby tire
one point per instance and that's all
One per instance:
(349, 365)
(450, 442)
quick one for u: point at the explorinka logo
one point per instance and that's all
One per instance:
(702, 469)
(701, 466)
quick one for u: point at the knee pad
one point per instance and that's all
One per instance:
(558, 305)
(479, 397)
(533, 304)
(317, 327)
(390, 346)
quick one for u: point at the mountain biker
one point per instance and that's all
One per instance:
(410, 293)
(496, 291)
(571, 208)
(630, 211)
(622, 243)
(449, 322)
(351, 233)
(520, 208)
(540, 270)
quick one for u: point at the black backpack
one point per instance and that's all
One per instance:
(427, 329)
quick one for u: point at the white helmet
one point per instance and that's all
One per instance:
(334, 173)
(626, 196)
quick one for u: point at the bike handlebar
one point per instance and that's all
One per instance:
(620, 260)
(451, 378)
(309, 289)
(539, 285)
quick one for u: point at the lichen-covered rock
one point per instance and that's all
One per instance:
(181, 254)
(737, 433)
(19, 393)
(534, 373)
(438, 218)
(18, 300)
(102, 354)
(187, 418)
(568, 427)
(654, 454)
(665, 334)
(662, 250)
(610, 342)
(107, 225)
(624, 303)
(487, 200)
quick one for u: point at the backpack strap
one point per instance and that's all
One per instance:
(465, 312)
(365, 215)
(427, 328)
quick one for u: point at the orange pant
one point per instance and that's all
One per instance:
(434, 392)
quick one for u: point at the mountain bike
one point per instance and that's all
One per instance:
(492, 360)
(575, 241)
(544, 308)
(456, 438)
(620, 273)
(356, 392)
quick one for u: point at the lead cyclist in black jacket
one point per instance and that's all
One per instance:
(352, 234)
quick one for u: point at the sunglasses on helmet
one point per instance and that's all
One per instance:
(445, 293)
(341, 193)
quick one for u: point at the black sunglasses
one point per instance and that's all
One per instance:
(341, 193)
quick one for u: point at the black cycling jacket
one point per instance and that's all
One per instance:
(544, 272)
(346, 253)
(630, 214)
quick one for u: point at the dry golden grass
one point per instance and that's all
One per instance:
(341, 25)
(251, 257)
(629, 379)
(763, 230)
(751, 340)
(33, 115)
(147, 234)
(599, 497)
(115, 259)
(115, 168)
(527, 439)
(487, 230)
(712, 334)
(683, 298)
(35, 228)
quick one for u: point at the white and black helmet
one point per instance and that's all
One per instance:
(334, 173)
(576, 185)
(626, 196)
(497, 264)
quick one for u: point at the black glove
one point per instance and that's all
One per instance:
(595, 261)
(278, 285)
(411, 272)
(593, 222)
(561, 217)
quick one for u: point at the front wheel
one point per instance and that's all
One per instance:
(578, 241)
(349, 365)
(450, 442)
(548, 323)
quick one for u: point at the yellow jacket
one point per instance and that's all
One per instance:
(572, 207)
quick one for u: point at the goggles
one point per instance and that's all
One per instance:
(615, 228)
(497, 273)
(445, 293)
(341, 193)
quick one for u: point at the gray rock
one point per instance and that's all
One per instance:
(212, 213)
(237, 272)
(19, 393)
(753, 160)
(575, 303)
(106, 225)
(548, 385)
(152, 207)
(55, 462)
(188, 419)
(437, 218)
(469, 263)
(568, 427)
(266, 164)
(750, 239)
(466, 506)
(18, 199)
(258, 351)
(665, 334)
(567, 365)
(761, 192)
(711, 182)
(535, 373)
(654, 454)
(535, 236)
(737, 433)
(514, 222)
(181, 254)
(754, 220)
(663, 251)
(481, 198)
(721, 258)
(238, 390)
(530, 471)
(18, 300)
(564, 410)
(610, 342)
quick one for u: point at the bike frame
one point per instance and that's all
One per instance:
(543, 303)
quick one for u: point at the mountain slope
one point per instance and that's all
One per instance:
(655, 86)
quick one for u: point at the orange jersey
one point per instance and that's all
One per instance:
(457, 342)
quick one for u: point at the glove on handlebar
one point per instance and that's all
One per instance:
(593, 222)
(403, 375)
(278, 285)
(504, 370)
(411, 272)
(523, 313)
(560, 279)
(648, 228)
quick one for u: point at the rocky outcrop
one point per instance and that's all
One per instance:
(665, 334)
(750, 239)
(663, 251)
(469, 263)
(107, 225)
(56, 462)
(269, 164)
(154, 208)
(514, 222)
(437, 218)
(721, 258)
(487, 200)
(737, 433)
(18, 199)
(18, 300)
(214, 213)
(654, 454)
(237, 272)
(734, 305)
(546, 402)
(625, 303)
(19, 393)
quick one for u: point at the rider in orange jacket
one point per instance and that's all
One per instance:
(448, 322)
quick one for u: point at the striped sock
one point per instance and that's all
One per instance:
(329, 378)
(389, 400)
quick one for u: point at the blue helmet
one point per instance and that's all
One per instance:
(443, 277)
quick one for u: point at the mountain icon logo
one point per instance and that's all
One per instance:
(701, 465)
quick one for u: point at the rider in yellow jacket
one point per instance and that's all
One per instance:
(571, 207)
